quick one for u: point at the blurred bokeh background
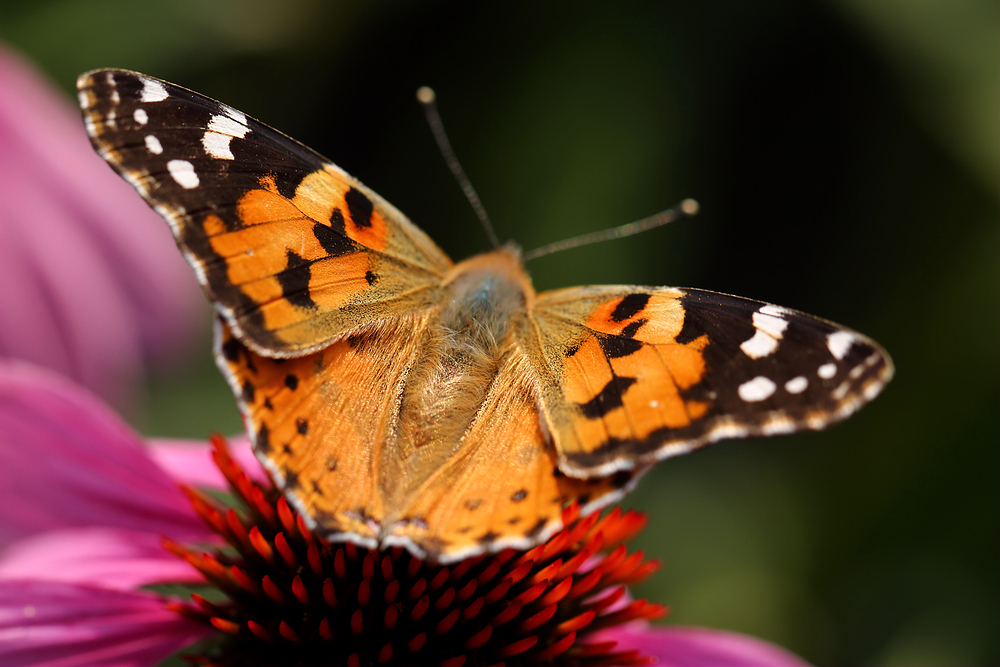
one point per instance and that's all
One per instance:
(845, 154)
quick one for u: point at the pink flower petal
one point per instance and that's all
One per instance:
(102, 557)
(66, 460)
(56, 624)
(91, 280)
(190, 461)
(698, 647)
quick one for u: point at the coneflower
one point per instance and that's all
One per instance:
(292, 598)
(87, 505)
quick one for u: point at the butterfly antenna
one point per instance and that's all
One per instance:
(685, 209)
(426, 97)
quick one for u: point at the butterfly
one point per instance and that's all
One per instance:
(400, 399)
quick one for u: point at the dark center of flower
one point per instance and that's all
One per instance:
(290, 598)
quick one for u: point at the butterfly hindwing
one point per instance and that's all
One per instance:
(646, 373)
(292, 250)
(321, 423)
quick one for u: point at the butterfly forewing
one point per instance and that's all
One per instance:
(649, 372)
(292, 250)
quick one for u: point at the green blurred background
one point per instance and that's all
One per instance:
(845, 153)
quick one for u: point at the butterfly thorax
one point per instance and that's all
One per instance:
(464, 344)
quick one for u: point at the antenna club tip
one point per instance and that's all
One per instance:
(690, 207)
(425, 95)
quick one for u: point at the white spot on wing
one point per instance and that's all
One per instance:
(84, 99)
(774, 310)
(757, 389)
(153, 91)
(183, 172)
(777, 425)
(728, 429)
(796, 385)
(137, 180)
(217, 145)
(172, 216)
(760, 345)
(239, 117)
(839, 342)
(827, 371)
(769, 324)
(153, 145)
(140, 116)
(770, 328)
(872, 390)
(841, 390)
(222, 129)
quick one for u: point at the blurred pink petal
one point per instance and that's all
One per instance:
(190, 461)
(91, 281)
(676, 646)
(66, 460)
(57, 624)
(103, 557)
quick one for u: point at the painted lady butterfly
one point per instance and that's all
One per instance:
(398, 398)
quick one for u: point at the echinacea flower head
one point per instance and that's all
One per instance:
(292, 598)
(104, 531)
(90, 282)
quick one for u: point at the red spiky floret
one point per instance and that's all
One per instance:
(292, 598)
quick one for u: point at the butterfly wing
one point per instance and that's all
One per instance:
(637, 374)
(320, 423)
(503, 487)
(293, 251)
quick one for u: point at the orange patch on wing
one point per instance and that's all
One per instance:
(261, 206)
(334, 281)
(654, 400)
(269, 183)
(264, 291)
(279, 313)
(601, 319)
(586, 372)
(619, 423)
(697, 409)
(324, 190)
(591, 433)
(663, 313)
(251, 253)
(318, 194)
(213, 225)
(686, 362)
(374, 236)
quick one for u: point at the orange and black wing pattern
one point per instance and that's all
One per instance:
(292, 250)
(636, 374)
